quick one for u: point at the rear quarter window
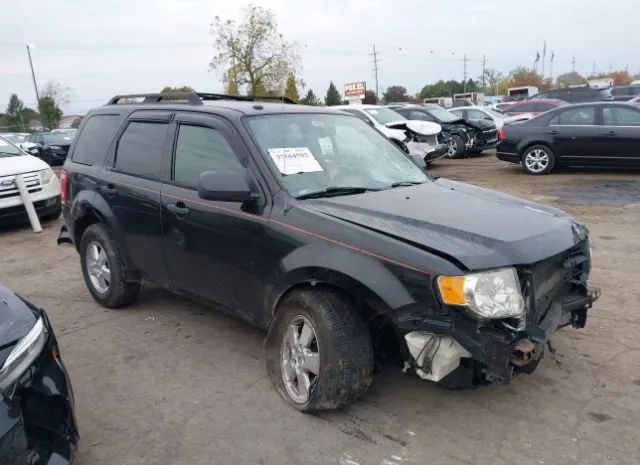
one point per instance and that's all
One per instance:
(95, 138)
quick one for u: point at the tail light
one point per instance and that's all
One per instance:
(501, 134)
(64, 185)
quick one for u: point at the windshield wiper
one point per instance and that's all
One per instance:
(406, 183)
(331, 191)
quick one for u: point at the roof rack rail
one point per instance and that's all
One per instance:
(194, 98)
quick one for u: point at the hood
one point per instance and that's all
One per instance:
(16, 318)
(20, 164)
(475, 227)
(392, 133)
(481, 124)
(425, 128)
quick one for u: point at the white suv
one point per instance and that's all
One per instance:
(39, 178)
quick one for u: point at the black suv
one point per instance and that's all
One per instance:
(310, 223)
(575, 94)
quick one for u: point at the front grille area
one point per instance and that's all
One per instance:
(554, 278)
(8, 187)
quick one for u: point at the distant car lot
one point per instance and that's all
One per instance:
(185, 384)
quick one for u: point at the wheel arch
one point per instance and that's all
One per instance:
(530, 143)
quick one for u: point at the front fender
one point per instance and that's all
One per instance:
(360, 275)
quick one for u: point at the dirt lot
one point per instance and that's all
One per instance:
(168, 381)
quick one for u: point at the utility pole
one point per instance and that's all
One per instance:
(553, 56)
(465, 73)
(544, 55)
(33, 75)
(484, 63)
(593, 73)
(375, 70)
(573, 63)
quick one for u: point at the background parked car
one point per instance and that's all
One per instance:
(625, 93)
(40, 179)
(500, 118)
(460, 133)
(536, 107)
(37, 422)
(52, 147)
(575, 94)
(593, 134)
(21, 141)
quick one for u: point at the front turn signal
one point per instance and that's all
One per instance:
(452, 289)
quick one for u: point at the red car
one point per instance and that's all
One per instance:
(535, 107)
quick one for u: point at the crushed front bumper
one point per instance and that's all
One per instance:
(37, 419)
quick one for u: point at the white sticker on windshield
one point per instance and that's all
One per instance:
(293, 160)
(326, 145)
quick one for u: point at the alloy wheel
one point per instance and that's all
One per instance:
(537, 160)
(98, 267)
(300, 359)
(452, 148)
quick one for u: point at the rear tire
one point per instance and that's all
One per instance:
(456, 147)
(538, 160)
(103, 269)
(337, 339)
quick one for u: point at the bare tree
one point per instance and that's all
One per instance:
(56, 92)
(252, 54)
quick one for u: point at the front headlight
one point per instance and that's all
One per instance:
(489, 294)
(46, 175)
(23, 355)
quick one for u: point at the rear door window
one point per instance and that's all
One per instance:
(200, 149)
(619, 116)
(140, 147)
(583, 116)
(525, 108)
(542, 107)
(94, 139)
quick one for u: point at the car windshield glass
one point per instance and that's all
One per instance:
(315, 152)
(14, 138)
(7, 149)
(443, 115)
(57, 138)
(384, 115)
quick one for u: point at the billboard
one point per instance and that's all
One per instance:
(355, 89)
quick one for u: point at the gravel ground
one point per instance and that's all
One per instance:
(169, 381)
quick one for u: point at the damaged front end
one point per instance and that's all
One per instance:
(423, 140)
(37, 420)
(460, 346)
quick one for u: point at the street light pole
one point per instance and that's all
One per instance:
(33, 75)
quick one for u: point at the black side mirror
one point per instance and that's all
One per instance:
(225, 186)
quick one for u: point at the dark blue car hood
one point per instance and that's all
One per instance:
(476, 227)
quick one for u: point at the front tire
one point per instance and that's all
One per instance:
(103, 269)
(318, 351)
(456, 147)
(538, 159)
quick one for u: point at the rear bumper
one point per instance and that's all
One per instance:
(508, 156)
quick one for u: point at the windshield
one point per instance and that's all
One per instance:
(443, 115)
(57, 138)
(314, 152)
(384, 115)
(7, 149)
(14, 138)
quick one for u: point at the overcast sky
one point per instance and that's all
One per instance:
(102, 48)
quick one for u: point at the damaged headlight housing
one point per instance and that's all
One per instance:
(23, 355)
(489, 294)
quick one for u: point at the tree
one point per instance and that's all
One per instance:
(309, 99)
(291, 89)
(169, 89)
(395, 94)
(56, 92)
(523, 76)
(50, 112)
(333, 96)
(492, 79)
(253, 53)
(15, 114)
(570, 79)
(370, 98)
